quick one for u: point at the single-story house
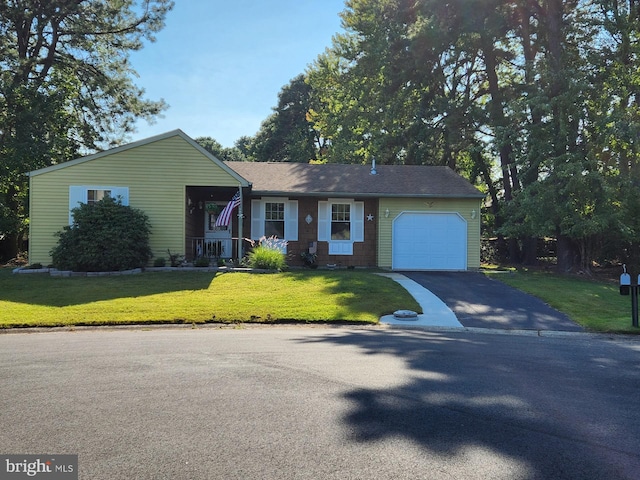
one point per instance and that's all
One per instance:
(403, 217)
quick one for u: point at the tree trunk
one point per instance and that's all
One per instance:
(568, 254)
(510, 182)
(504, 248)
(529, 174)
(530, 251)
(496, 111)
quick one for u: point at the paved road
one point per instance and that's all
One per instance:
(323, 403)
(479, 301)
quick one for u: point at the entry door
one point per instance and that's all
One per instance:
(217, 240)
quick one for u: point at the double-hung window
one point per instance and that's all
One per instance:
(341, 223)
(94, 196)
(274, 217)
(90, 194)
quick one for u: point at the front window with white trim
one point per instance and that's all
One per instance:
(341, 224)
(274, 217)
(340, 221)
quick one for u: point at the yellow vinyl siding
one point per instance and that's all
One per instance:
(464, 207)
(156, 174)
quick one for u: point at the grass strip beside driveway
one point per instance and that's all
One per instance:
(596, 305)
(199, 297)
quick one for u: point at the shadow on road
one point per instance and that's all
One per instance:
(547, 408)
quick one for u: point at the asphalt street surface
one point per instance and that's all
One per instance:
(323, 403)
(482, 302)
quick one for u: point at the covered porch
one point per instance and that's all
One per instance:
(205, 237)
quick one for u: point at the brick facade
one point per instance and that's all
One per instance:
(364, 253)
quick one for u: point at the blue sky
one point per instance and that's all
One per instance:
(220, 64)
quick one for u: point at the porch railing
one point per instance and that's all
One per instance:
(202, 247)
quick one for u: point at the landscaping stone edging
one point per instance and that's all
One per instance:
(67, 273)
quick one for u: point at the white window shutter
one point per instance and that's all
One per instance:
(291, 221)
(257, 219)
(77, 195)
(121, 194)
(357, 222)
(324, 221)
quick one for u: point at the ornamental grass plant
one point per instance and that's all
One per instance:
(268, 254)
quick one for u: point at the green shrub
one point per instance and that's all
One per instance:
(105, 236)
(267, 255)
(201, 262)
(159, 262)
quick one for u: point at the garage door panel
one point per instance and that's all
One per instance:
(429, 241)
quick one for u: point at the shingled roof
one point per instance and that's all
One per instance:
(270, 178)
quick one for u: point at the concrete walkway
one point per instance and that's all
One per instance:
(435, 312)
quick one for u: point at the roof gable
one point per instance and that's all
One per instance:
(346, 179)
(142, 143)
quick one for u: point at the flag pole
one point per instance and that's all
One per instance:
(240, 221)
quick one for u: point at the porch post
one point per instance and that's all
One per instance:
(240, 221)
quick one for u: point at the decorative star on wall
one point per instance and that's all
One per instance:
(369, 218)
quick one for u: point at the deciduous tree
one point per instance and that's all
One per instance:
(286, 135)
(214, 147)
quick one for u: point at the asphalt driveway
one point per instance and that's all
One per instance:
(482, 302)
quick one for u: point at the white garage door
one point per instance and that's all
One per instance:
(429, 241)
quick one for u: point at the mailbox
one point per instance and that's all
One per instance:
(627, 289)
(625, 283)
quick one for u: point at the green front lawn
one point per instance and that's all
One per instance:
(596, 305)
(198, 297)
(307, 296)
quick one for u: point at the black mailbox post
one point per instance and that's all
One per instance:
(627, 289)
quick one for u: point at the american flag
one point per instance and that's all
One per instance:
(225, 216)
